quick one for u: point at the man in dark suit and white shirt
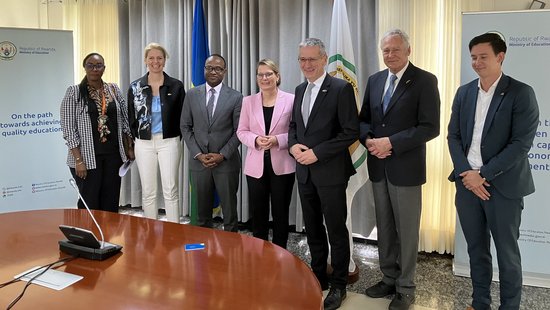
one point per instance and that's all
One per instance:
(493, 123)
(400, 113)
(209, 121)
(324, 124)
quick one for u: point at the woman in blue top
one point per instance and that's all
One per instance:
(155, 102)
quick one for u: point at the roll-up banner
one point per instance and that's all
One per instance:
(36, 67)
(527, 35)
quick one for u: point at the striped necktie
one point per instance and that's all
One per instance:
(210, 104)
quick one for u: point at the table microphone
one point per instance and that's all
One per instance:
(83, 243)
(73, 184)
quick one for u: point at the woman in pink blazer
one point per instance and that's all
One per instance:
(269, 169)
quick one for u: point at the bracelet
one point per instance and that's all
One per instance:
(80, 163)
(77, 158)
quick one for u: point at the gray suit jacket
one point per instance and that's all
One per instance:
(219, 136)
(507, 136)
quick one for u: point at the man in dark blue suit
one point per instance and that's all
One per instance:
(493, 123)
(324, 124)
(400, 113)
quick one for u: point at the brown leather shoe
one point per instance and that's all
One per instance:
(329, 269)
(470, 308)
(353, 276)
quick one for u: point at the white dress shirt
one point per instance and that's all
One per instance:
(218, 88)
(315, 90)
(482, 107)
(388, 79)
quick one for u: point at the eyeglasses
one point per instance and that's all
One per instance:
(266, 75)
(218, 70)
(94, 66)
(303, 60)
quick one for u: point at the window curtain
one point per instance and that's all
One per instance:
(435, 30)
(95, 29)
(244, 31)
(273, 28)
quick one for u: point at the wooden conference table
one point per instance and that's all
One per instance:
(153, 271)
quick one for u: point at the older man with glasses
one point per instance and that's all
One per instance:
(324, 124)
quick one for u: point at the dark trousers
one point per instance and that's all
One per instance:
(206, 183)
(500, 218)
(279, 189)
(328, 203)
(101, 188)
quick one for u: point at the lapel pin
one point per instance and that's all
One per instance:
(407, 82)
(169, 94)
(324, 90)
(502, 94)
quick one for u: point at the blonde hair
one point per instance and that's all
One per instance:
(155, 46)
(272, 65)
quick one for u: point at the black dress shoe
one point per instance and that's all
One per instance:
(334, 298)
(401, 301)
(380, 289)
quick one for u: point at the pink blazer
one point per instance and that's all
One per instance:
(252, 125)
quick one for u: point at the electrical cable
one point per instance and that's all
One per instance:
(45, 268)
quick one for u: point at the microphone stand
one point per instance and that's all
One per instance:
(73, 184)
(83, 243)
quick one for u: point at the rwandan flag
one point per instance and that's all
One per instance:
(199, 46)
(199, 53)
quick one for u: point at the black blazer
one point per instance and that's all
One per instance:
(508, 133)
(332, 127)
(140, 98)
(411, 119)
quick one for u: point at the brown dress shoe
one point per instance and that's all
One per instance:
(353, 276)
(329, 269)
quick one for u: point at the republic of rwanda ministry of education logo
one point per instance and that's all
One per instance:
(7, 50)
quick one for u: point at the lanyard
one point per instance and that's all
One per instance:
(103, 105)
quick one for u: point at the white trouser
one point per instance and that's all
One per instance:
(166, 155)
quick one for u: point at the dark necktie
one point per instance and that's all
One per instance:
(389, 93)
(210, 104)
(306, 103)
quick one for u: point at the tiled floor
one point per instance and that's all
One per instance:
(437, 287)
